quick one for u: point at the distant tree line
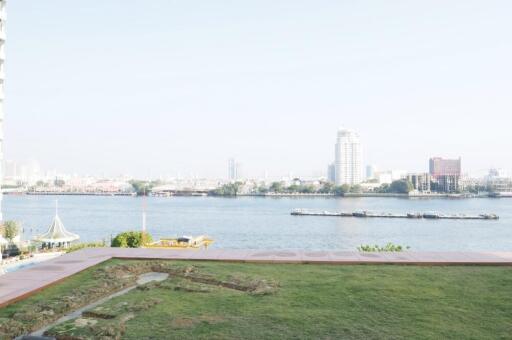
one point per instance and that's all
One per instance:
(233, 189)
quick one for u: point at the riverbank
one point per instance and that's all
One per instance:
(306, 301)
(268, 194)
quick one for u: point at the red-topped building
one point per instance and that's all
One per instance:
(446, 174)
(445, 167)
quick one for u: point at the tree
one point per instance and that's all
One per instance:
(11, 230)
(262, 189)
(401, 187)
(307, 189)
(326, 188)
(230, 189)
(131, 239)
(341, 189)
(384, 188)
(293, 188)
(276, 187)
(143, 188)
(356, 189)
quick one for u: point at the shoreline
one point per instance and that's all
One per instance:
(267, 195)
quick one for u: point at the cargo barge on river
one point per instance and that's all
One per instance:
(369, 214)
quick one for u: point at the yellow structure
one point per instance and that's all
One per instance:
(181, 243)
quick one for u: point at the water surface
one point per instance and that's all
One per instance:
(266, 223)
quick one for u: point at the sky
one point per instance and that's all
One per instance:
(166, 87)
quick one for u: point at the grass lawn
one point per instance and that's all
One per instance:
(311, 301)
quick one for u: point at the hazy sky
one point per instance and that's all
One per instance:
(122, 86)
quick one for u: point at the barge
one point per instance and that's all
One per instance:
(369, 214)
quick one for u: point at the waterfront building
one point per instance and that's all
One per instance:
(444, 167)
(2, 59)
(370, 172)
(498, 182)
(348, 158)
(234, 170)
(384, 177)
(331, 173)
(447, 184)
(446, 174)
(421, 182)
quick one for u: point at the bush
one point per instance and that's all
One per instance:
(79, 246)
(376, 248)
(131, 239)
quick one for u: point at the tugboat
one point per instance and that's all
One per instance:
(489, 216)
(414, 215)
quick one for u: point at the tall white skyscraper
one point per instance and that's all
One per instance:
(233, 170)
(2, 58)
(348, 158)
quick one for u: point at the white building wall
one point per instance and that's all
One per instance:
(2, 59)
(348, 158)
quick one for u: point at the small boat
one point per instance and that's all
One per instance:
(183, 242)
(414, 215)
(431, 215)
(489, 216)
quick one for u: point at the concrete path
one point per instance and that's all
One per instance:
(25, 282)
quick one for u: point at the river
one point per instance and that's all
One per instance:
(266, 223)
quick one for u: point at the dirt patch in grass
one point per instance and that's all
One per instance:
(242, 283)
(83, 322)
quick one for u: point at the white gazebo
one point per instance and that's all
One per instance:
(57, 236)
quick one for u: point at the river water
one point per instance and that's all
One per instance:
(266, 223)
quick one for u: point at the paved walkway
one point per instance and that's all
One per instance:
(25, 282)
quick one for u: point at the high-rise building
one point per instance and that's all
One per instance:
(331, 173)
(370, 172)
(348, 158)
(233, 170)
(10, 169)
(2, 58)
(446, 174)
(444, 167)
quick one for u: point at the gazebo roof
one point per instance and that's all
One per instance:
(57, 233)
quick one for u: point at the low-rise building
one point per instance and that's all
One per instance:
(447, 184)
(421, 182)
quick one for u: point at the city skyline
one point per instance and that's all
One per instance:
(268, 95)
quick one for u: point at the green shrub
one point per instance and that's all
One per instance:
(79, 246)
(130, 239)
(376, 248)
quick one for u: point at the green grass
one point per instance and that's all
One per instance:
(323, 302)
